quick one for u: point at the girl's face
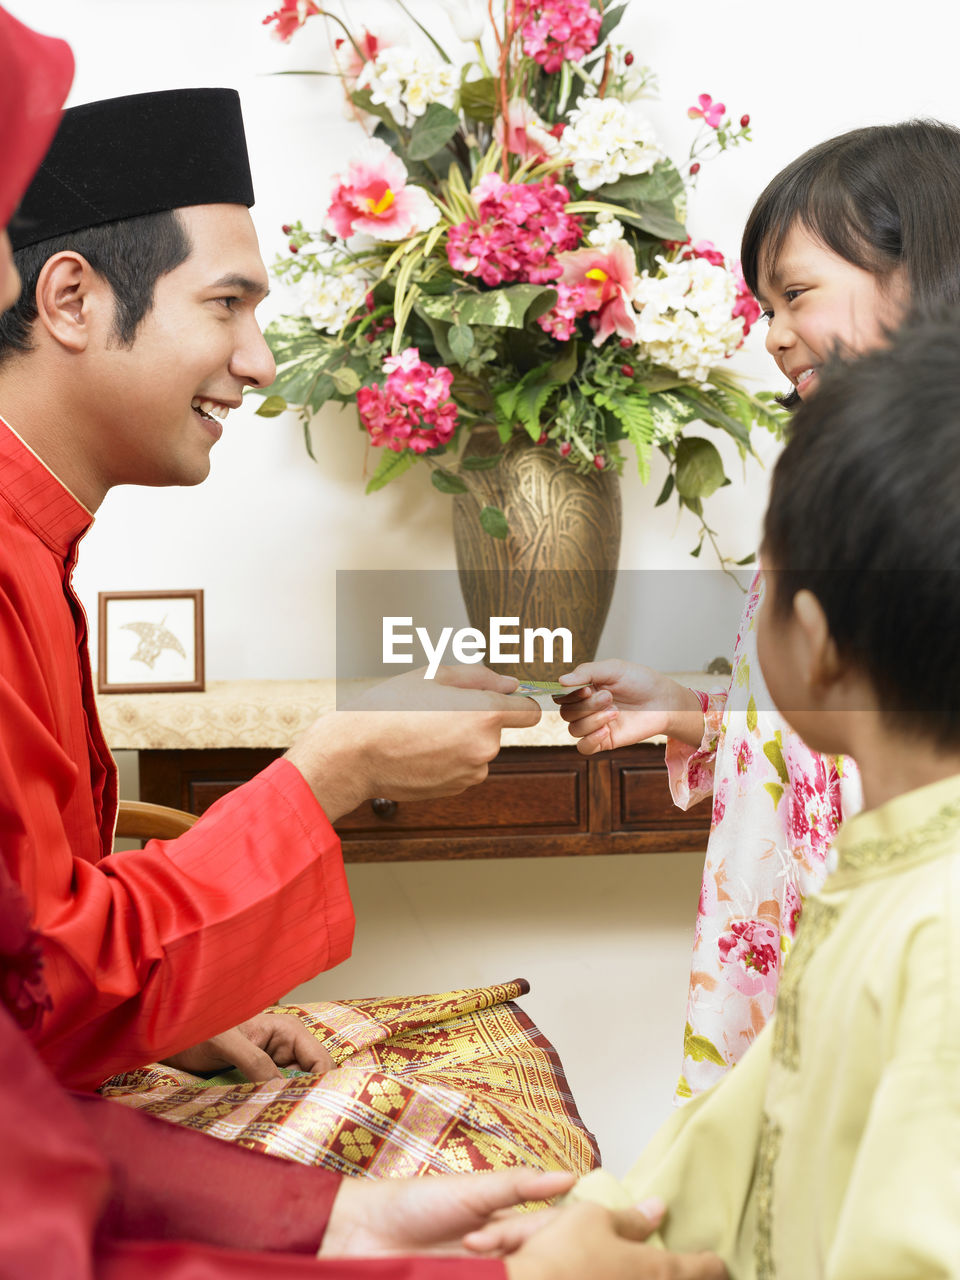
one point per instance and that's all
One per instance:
(817, 304)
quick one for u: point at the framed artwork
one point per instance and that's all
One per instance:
(150, 642)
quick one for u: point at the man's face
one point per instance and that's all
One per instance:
(160, 403)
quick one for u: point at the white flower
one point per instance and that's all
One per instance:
(607, 138)
(328, 298)
(686, 319)
(407, 81)
(469, 18)
(607, 231)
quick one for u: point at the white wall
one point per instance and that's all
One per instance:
(266, 533)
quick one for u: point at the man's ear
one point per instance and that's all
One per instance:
(822, 667)
(69, 295)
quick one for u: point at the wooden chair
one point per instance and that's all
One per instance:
(137, 820)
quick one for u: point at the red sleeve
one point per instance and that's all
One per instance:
(151, 951)
(92, 1191)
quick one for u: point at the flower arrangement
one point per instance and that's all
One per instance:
(508, 246)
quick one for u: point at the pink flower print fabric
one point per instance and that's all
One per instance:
(776, 808)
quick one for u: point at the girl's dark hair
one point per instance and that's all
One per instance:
(130, 255)
(863, 513)
(882, 197)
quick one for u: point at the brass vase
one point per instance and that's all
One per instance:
(557, 567)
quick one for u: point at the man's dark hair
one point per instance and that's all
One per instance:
(130, 255)
(864, 512)
(882, 197)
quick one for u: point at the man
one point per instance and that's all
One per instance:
(88, 1188)
(134, 336)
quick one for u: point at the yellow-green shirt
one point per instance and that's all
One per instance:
(833, 1148)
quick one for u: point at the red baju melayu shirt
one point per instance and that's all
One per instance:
(150, 951)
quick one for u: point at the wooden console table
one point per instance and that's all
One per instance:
(541, 798)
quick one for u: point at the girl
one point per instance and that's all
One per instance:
(838, 247)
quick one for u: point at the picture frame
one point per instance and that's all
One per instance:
(150, 642)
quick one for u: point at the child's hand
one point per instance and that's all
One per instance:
(625, 703)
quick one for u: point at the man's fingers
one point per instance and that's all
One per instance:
(249, 1059)
(476, 676)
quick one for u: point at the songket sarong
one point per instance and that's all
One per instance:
(458, 1082)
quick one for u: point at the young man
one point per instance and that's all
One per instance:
(89, 1188)
(833, 1148)
(134, 336)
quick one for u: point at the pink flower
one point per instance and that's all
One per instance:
(750, 956)
(746, 306)
(522, 132)
(413, 409)
(561, 321)
(711, 111)
(608, 277)
(290, 17)
(557, 31)
(373, 197)
(790, 911)
(520, 228)
(349, 62)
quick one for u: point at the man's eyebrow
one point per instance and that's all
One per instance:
(252, 288)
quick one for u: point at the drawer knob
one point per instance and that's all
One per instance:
(383, 808)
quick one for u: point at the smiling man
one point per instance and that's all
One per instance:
(134, 336)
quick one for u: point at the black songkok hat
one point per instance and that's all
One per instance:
(144, 153)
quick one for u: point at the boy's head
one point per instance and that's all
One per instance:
(862, 545)
(141, 270)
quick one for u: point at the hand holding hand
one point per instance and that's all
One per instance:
(421, 1215)
(258, 1048)
(624, 703)
(587, 1240)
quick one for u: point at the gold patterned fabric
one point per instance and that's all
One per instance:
(832, 1149)
(451, 1083)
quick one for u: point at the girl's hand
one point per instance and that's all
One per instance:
(625, 703)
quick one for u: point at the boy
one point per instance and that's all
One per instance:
(833, 1148)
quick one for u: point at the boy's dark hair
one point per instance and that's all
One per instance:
(882, 197)
(130, 255)
(864, 513)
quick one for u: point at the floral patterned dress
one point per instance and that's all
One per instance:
(776, 808)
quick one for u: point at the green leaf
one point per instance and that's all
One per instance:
(390, 466)
(752, 714)
(363, 98)
(774, 754)
(345, 380)
(439, 47)
(432, 131)
(775, 791)
(610, 20)
(748, 559)
(446, 481)
(272, 407)
(461, 340)
(633, 413)
(707, 410)
(494, 522)
(666, 491)
(654, 201)
(480, 464)
(510, 308)
(699, 468)
(700, 1049)
(478, 99)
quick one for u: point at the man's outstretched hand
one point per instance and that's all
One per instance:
(257, 1048)
(427, 1215)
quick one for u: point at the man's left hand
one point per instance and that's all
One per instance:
(258, 1048)
(427, 1215)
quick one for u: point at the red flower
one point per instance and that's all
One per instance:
(290, 17)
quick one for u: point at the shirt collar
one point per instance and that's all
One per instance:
(914, 827)
(41, 500)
